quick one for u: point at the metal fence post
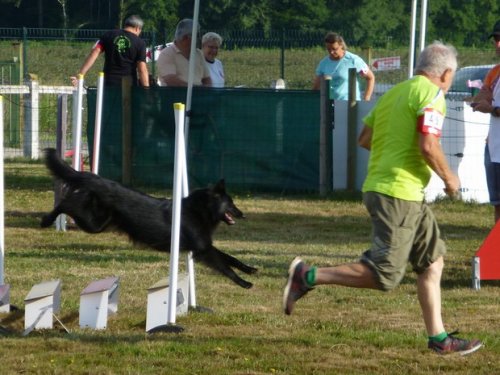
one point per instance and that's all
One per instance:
(25, 53)
(283, 53)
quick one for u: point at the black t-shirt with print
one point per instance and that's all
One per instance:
(123, 50)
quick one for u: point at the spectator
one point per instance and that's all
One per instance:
(210, 44)
(488, 101)
(402, 133)
(124, 55)
(337, 65)
(173, 61)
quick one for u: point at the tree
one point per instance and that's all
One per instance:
(158, 15)
(378, 23)
(463, 22)
(230, 14)
(304, 15)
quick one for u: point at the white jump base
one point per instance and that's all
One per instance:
(157, 309)
(41, 303)
(98, 300)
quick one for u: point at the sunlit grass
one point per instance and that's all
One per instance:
(250, 67)
(333, 330)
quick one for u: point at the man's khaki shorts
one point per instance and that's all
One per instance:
(403, 232)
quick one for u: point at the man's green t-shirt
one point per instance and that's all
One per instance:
(396, 166)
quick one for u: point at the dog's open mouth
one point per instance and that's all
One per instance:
(228, 219)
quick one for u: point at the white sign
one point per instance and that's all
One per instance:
(387, 63)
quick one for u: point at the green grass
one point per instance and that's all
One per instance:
(251, 67)
(333, 330)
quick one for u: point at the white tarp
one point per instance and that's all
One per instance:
(463, 141)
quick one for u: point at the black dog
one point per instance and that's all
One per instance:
(96, 204)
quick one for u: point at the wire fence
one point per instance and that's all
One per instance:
(251, 60)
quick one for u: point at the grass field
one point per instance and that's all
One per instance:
(251, 67)
(332, 331)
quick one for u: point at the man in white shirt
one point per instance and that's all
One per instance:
(173, 61)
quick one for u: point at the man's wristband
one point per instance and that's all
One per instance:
(495, 112)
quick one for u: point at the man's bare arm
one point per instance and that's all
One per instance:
(434, 156)
(365, 138)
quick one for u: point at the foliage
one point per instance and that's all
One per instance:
(333, 330)
(467, 16)
(461, 22)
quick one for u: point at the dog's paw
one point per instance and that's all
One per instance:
(47, 221)
(245, 284)
(248, 269)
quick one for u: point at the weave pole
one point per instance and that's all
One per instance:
(77, 124)
(4, 289)
(189, 95)
(179, 168)
(98, 122)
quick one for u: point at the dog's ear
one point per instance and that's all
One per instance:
(220, 187)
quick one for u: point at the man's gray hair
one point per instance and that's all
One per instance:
(211, 37)
(184, 27)
(134, 21)
(436, 58)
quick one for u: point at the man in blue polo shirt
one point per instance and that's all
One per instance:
(337, 65)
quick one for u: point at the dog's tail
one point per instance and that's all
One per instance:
(60, 168)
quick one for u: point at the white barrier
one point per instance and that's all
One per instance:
(32, 91)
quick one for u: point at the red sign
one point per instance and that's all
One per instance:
(387, 63)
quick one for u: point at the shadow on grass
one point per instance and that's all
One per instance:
(28, 182)
(343, 229)
(19, 219)
(78, 252)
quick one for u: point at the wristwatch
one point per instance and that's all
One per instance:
(495, 112)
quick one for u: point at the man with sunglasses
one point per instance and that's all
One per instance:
(488, 101)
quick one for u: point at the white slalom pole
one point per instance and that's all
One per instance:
(2, 207)
(192, 60)
(98, 121)
(77, 129)
(189, 94)
(423, 23)
(179, 111)
(411, 55)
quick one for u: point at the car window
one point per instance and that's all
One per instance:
(467, 73)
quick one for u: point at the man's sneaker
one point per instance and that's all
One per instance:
(453, 344)
(296, 286)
